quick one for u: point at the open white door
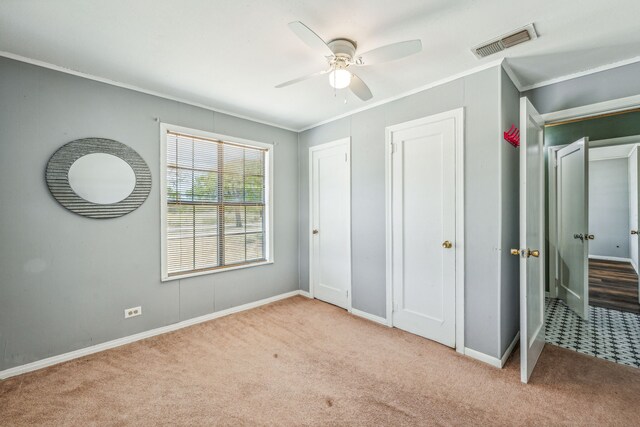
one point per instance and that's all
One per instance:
(531, 238)
(634, 201)
(573, 225)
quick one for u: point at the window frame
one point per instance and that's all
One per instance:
(268, 202)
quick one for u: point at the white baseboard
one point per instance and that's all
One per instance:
(372, 317)
(635, 267)
(356, 312)
(493, 361)
(611, 258)
(54, 360)
(509, 350)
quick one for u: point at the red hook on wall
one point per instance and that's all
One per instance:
(512, 136)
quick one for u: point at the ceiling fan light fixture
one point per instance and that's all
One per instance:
(340, 54)
(339, 78)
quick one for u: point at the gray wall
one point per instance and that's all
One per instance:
(603, 86)
(479, 94)
(510, 205)
(609, 207)
(65, 279)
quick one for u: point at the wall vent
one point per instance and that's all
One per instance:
(505, 41)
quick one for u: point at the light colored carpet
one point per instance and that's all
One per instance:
(303, 362)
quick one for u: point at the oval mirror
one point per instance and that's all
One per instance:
(98, 178)
(102, 178)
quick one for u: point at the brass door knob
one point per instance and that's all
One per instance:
(315, 231)
(534, 253)
(447, 244)
(515, 252)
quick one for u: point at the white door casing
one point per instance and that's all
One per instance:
(553, 257)
(330, 222)
(573, 222)
(532, 294)
(424, 237)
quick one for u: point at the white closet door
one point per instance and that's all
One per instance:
(424, 240)
(330, 255)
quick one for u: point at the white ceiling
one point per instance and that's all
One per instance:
(229, 54)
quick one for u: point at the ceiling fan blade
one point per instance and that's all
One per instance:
(310, 38)
(390, 52)
(303, 78)
(359, 88)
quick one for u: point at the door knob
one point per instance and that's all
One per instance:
(315, 231)
(534, 253)
(578, 236)
(590, 237)
(447, 244)
(634, 231)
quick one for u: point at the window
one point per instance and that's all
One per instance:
(215, 201)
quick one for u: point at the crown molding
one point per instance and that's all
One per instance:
(135, 88)
(499, 62)
(581, 73)
(407, 93)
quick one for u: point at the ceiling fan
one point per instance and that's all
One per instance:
(341, 56)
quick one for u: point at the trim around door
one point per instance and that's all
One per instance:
(591, 110)
(342, 141)
(458, 116)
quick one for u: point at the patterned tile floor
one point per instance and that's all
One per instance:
(609, 334)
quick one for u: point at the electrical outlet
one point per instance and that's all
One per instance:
(133, 312)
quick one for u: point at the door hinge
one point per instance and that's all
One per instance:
(347, 293)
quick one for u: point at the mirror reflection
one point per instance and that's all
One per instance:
(102, 178)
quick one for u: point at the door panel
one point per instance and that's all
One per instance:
(423, 192)
(633, 208)
(573, 223)
(531, 238)
(330, 219)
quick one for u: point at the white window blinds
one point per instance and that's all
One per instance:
(216, 206)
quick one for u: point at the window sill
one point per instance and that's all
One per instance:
(220, 270)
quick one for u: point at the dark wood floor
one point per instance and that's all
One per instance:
(613, 284)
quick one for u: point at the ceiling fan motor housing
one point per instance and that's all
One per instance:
(343, 48)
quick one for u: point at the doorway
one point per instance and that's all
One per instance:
(606, 322)
(425, 253)
(330, 221)
(610, 334)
